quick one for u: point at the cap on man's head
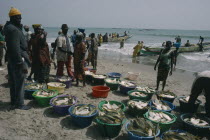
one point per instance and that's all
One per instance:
(64, 26)
(14, 12)
(36, 26)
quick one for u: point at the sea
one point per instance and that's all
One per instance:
(192, 62)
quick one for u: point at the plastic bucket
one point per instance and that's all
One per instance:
(146, 98)
(178, 131)
(132, 136)
(100, 91)
(98, 81)
(132, 76)
(136, 112)
(114, 75)
(62, 109)
(196, 130)
(109, 130)
(172, 107)
(68, 83)
(112, 86)
(101, 103)
(81, 121)
(165, 98)
(163, 126)
(60, 89)
(188, 108)
(124, 89)
(44, 101)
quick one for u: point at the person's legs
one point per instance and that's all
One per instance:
(207, 95)
(60, 68)
(1, 55)
(157, 86)
(163, 85)
(197, 88)
(12, 84)
(68, 67)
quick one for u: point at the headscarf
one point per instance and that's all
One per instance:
(26, 27)
(14, 12)
(36, 26)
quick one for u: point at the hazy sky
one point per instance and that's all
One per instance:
(164, 14)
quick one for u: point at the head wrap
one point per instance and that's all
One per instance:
(26, 27)
(81, 30)
(36, 26)
(1, 25)
(64, 26)
(14, 12)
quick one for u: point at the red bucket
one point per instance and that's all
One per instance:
(100, 91)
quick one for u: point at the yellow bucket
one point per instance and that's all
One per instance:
(60, 87)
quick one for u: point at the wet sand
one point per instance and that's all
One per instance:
(43, 123)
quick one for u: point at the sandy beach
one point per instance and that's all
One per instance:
(43, 123)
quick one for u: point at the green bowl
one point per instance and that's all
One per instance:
(101, 103)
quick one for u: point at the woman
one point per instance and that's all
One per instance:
(79, 58)
(165, 61)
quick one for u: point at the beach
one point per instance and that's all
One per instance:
(43, 123)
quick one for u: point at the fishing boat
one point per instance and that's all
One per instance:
(192, 48)
(115, 39)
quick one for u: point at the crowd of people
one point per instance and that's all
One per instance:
(32, 50)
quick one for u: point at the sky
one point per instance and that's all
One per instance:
(149, 14)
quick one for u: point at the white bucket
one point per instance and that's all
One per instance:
(133, 76)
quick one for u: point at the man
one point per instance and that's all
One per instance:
(137, 49)
(28, 33)
(200, 43)
(2, 44)
(18, 59)
(73, 38)
(64, 52)
(94, 50)
(187, 44)
(178, 39)
(33, 48)
(201, 84)
(122, 44)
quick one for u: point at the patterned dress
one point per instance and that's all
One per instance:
(79, 52)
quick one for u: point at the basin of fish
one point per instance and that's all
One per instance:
(56, 84)
(99, 76)
(175, 135)
(64, 100)
(111, 107)
(138, 94)
(159, 117)
(139, 105)
(35, 86)
(142, 127)
(89, 73)
(146, 89)
(64, 79)
(84, 110)
(112, 81)
(197, 121)
(160, 105)
(166, 94)
(127, 84)
(186, 100)
(45, 93)
(111, 117)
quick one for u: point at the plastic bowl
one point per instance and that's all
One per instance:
(124, 89)
(60, 89)
(62, 109)
(81, 121)
(44, 101)
(146, 98)
(114, 75)
(172, 107)
(101, 103)
(100, 91)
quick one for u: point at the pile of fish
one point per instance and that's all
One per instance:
(186, 99)
(159, 105)
(84, 110)
(99, 76)
(111, 107)
(56, 84)
(111, 117)
(159, 117)
(35, 86)
(142, 127)
(45, 93)
(66, 100)
(138, 94)
(146, 89)
(196, 121)
(113, 81)
(170, 135)
(167, 94)
(64, 79)
(138, 104)
(89, 73)
(127, 84)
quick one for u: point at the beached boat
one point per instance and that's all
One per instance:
(156, 50)
(118, 39)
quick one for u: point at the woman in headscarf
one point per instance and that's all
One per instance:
(165, 61)
(79, 59)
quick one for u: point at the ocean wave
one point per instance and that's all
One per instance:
(174, 35)
(198, 56)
